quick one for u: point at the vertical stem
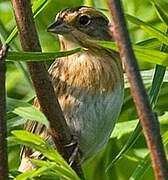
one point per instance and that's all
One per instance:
(147, 118)
(43, 86)
(3, 128)
(41, 81)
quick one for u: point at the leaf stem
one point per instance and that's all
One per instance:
(148, 119)
(3, 126)
(41, 81)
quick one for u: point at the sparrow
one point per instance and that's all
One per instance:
(89, 84)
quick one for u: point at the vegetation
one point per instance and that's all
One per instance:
(126, 155)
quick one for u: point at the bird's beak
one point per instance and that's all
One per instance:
(59, 27)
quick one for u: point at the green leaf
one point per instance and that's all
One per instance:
(123, 128)
(11, 36)
(140, 169)
(59, 170)
(153, 95)
(142, 54)
(57, 164)
(126, 127)
(25, 175)
(36, 142)
(39, 56)
(89, 3)
(146, 162)
(13, 141)
(147, 76)
(156, 84)
(14, 121)
(26, 111)
(48, 168)
(150, 43)
(31, 113)
(20, 65)
(151, 56)
(39, 162)
(28, 137)
(35, 173)
(161, 13)
(155, 33)
(37, 7)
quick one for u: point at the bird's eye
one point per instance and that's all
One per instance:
(84, 20)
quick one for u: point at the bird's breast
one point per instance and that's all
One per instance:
(90, 91)
(87, 71)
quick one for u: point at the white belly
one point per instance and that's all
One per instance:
(92, 118)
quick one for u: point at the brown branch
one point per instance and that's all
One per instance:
(147, 118)
(42, 83)
(3, 128)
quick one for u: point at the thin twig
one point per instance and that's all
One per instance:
(42, 83)
(147, 118)
(3, 128)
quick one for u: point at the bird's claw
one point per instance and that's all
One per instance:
(72, 143)
(74, 154)
(75, 149)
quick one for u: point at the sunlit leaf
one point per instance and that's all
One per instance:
(37, 7)
(28, 137)
(35, 141)
(161, 13)
(57, 164)
(150, 43)
(14, 121)
(147, 76)
(38, 56)
(126, 127)
(25, 176)
(26, 111)
(155, 33)
(146, 162)
(142, 54)
(89, 3)
(153, 95)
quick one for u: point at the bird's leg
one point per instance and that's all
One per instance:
(74, 144)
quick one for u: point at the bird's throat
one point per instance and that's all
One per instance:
(66, 43)
(94, 69)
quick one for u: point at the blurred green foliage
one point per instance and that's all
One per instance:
(19, 87)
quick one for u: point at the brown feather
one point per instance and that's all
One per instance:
(84, 83)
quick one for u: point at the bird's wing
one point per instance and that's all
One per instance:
(34, 126)
(37, 128)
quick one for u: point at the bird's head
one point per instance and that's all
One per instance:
(80, 25)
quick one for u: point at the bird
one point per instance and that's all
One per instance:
(89, 84)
